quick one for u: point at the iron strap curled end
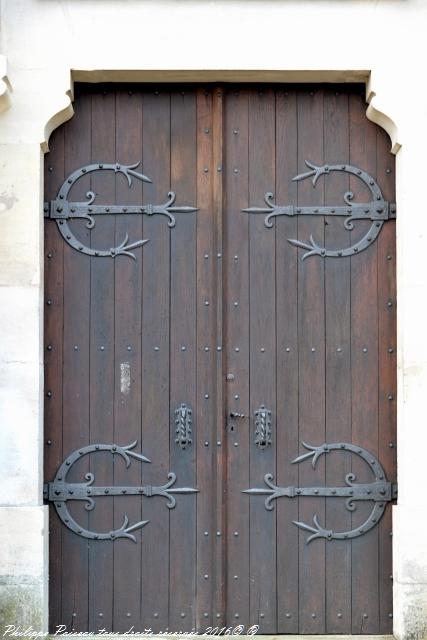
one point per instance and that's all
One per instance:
(59, 492)
(61, 210)
(377, 211)
(380, 491)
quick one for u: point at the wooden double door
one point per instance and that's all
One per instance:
(182, 371)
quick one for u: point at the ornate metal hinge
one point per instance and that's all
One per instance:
(380, 492)
(61, 210)
(60, 492)
(183, 421)
(262, 427)
(378, 211)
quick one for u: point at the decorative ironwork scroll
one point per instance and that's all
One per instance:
(61, 210)
(183, 421)
(262, 427)
(380, 492)
(59, 492)
(377, 211)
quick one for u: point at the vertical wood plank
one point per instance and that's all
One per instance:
(287, 361)
(155, 388)
(183, 358)
(236, 341)
(127, 279)
(76, 370)
(219, 608)
(387, 372)
(311, 338)
(53, 335)
(364, 363)
(101, 366)
(338, 371)
(262, 310)
(206, 358)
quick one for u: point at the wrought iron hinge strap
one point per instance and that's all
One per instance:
(377, 211)
(59, 492)
(380, 491)
(61, 210)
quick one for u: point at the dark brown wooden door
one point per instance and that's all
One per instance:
(218, 320)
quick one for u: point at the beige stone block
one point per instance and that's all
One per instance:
(21, 464)
(21, 215)
(23, 566)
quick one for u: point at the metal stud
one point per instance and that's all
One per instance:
(206, 303)
(262, 349)
(49, 394)
(235, 131)
(206, 348)
(365, 350)
(313, 349)
(206, 445)
(49, 347)
(313, 615)
(236, 615)
(219, 348)
(206, 533)
(262, 615)
(219, 255)
(236, 577)
(206, 256)
(76, 348)
(102, 348)
(182, 614)
(156, 348)
(237, 349)
(156, 615)
(236, 397)
(339, 349)
(235, 171)
(183, 348)
(339, 615)
(49, 302)
(218, 615)
(128, 615)
(287, 349)
(236, 304)
(218, 533)
(205, 615)
(205, 169)
(389, 303)
(389, 397)
(50, 255)
(207, 130)
(235, 534)
(206, 576)
(365, 615)
(236, 257)
(49, 442)
(390, 350)
(129, 348)
(206, 396)
(388, 257)
(288, 615)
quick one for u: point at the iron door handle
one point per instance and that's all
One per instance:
(236, 414)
